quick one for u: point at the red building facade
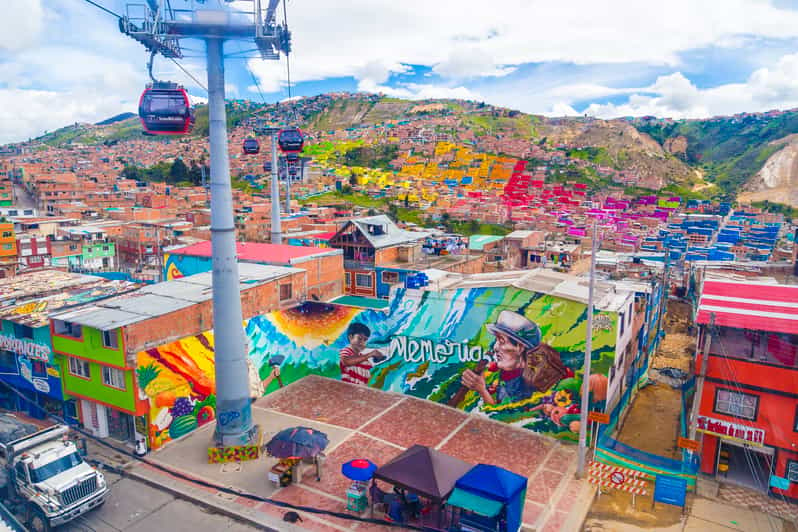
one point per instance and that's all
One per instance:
(748, 410)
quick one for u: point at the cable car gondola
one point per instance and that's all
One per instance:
(164, 109)
(291, 157)
(290, 140)
(267, 166)
(251, 146)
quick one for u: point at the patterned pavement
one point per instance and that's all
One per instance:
(367, 423)
(755, 500)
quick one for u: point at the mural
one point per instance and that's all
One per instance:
(177, 266)
(514, 355)
(511, 354)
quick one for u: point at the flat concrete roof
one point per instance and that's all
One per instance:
(159, 299)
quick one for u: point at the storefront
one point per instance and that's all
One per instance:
(28, 364)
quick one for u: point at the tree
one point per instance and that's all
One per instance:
(393, 211)
(178, 172)
(473, 227)
(353, 179)
(407, 200)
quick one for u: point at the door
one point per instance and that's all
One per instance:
(120, 425)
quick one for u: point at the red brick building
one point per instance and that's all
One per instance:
(748, 411)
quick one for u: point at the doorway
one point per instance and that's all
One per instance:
(745, 465)
(120, 425)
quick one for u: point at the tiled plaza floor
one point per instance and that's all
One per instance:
(367, 423)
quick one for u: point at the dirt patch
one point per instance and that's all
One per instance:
(613, 511)
(652, 424)
(675, 351)
(678, 317)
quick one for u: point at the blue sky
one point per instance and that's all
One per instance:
(63, 61)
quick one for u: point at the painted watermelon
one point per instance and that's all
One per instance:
(182, 426)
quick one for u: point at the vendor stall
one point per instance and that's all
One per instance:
(489, 499)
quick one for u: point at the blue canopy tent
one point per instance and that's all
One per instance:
(486, 490)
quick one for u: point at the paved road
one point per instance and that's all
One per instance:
(22, 198)
(136, 507)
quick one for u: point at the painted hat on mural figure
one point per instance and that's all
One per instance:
(518, 327)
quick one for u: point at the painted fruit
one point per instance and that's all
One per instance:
(205, 414)
(574, 426)
(598, 386)
(181, 426)
(165, 399)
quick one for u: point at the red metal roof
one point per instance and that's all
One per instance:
(276, 254)
(746, 305)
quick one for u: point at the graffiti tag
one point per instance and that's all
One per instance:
(226, 417)
(421, 350)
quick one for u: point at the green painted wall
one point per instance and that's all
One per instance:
(92, 348)
(98, 250)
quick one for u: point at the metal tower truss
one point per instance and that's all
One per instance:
(159, 24)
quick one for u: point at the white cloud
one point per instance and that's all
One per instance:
(470, 62)
(416, 91)
(20, 25)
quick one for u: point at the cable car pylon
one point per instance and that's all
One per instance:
(159, 28)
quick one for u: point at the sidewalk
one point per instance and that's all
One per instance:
(365, 423)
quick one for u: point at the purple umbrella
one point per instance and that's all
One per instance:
(297, 442)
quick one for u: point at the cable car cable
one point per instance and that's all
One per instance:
(288, 66)
(103, 8)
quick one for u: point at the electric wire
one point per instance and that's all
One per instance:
(288, 67)
(205, 483)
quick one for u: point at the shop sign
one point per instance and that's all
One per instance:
(24, 346)
(727, 429)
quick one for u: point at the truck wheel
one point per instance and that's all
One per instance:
(38, 521)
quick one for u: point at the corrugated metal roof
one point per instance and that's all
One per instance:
(392, 235)
(164, 298)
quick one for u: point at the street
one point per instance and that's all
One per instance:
(22, 198)
(134, 506)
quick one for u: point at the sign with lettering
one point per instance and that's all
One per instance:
(598, 417)
(670, 490)
(687, 443)
(25, 346)
(727, 429)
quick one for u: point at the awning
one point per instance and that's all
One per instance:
(474, 503)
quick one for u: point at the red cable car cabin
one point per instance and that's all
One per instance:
(164, 109)
(251, 146)
(290, 140)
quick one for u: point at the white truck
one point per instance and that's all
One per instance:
(44, 477)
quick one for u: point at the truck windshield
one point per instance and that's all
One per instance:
(40, 474)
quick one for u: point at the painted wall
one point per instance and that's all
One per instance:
(177, 266)
(429, 340)
(90, 348)
(32, 373)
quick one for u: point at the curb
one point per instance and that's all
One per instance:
(208, 504)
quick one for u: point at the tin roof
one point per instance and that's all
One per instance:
(164, 298)
(41, 283)
(392, 235)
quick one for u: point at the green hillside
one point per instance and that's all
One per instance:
(730, 150)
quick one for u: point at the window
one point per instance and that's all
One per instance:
(105, 248)
(390, 277)
(736, 404)
(65, 328)
(111, 339)
(363, 280)
(795, 421)
(792, 470)
(79, 368)
(113, 377)
(621, 321)
(22, 471)
(285, 292)
(8, 246)
(348, 280)
(12, 212)
(6, 234)
(23, 331)
(8, 360)
(73, 247)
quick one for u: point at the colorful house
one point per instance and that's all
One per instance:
(27, 360)
(748, 412)
(8, 250)
(324, 267)
(369, 245)
(100, 342)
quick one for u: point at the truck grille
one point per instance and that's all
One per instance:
(79, 491)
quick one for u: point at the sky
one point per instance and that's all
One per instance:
(65, 61)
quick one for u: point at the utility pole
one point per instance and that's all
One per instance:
(160, 33)
(699, 386)
(277, 237)
(582, 458)
(287, 187)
